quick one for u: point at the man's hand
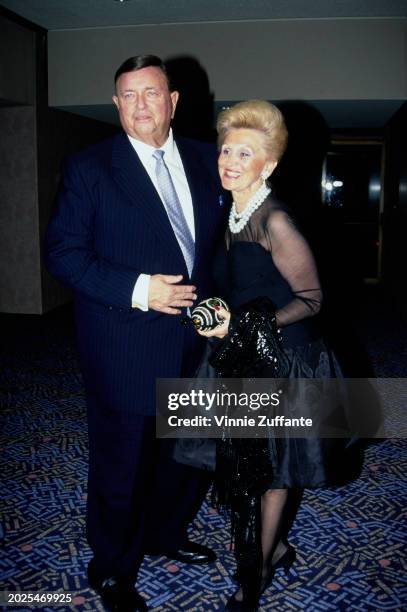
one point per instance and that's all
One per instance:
(165, 295)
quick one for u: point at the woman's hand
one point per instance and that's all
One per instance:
(220, 331)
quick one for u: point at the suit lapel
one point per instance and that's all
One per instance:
(131, 176)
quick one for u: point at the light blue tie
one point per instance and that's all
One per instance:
(174, 210)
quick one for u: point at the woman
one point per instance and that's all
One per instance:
(266, 255)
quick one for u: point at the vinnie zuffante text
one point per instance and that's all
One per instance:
(260, 420)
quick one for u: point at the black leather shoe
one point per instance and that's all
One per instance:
(117, 595)
(191, 553)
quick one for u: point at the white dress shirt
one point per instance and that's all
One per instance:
(174, 163)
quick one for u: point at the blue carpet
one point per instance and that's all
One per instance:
(350, 540)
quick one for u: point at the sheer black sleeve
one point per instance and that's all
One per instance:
(293, 258)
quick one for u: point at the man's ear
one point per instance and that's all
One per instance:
(174, 99)
(116, 101)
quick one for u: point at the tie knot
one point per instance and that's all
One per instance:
(158, 154)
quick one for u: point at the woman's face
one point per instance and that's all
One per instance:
(242, 160)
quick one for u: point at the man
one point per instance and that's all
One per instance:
(133, 235)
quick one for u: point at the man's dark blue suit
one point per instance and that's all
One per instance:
(108, 227)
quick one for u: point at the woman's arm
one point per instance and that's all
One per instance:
(293, 258)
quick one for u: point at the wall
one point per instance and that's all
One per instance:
(322, 59)
(34, 140)
(17, 74)
(20, 289)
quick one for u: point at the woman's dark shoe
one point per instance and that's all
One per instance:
(285, 561)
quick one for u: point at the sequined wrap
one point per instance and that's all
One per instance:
(244, 466)
(252, 344)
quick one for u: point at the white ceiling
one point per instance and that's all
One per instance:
(74, 14)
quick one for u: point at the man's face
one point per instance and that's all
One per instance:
(145, 105)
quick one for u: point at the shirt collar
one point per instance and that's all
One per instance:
(145, 151)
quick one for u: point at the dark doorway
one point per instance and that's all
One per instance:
(352, 197)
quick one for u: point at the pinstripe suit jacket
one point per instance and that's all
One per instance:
(109, 226)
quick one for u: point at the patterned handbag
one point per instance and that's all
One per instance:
(205, 316)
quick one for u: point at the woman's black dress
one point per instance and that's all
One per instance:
(270, 257)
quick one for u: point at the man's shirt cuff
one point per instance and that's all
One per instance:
(139, 298)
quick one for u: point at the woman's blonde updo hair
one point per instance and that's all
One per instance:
(256, 115)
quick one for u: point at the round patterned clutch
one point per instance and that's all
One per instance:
(205, 316)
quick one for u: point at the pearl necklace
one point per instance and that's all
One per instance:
(237, 221)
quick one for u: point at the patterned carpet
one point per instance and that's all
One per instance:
(350, 540)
